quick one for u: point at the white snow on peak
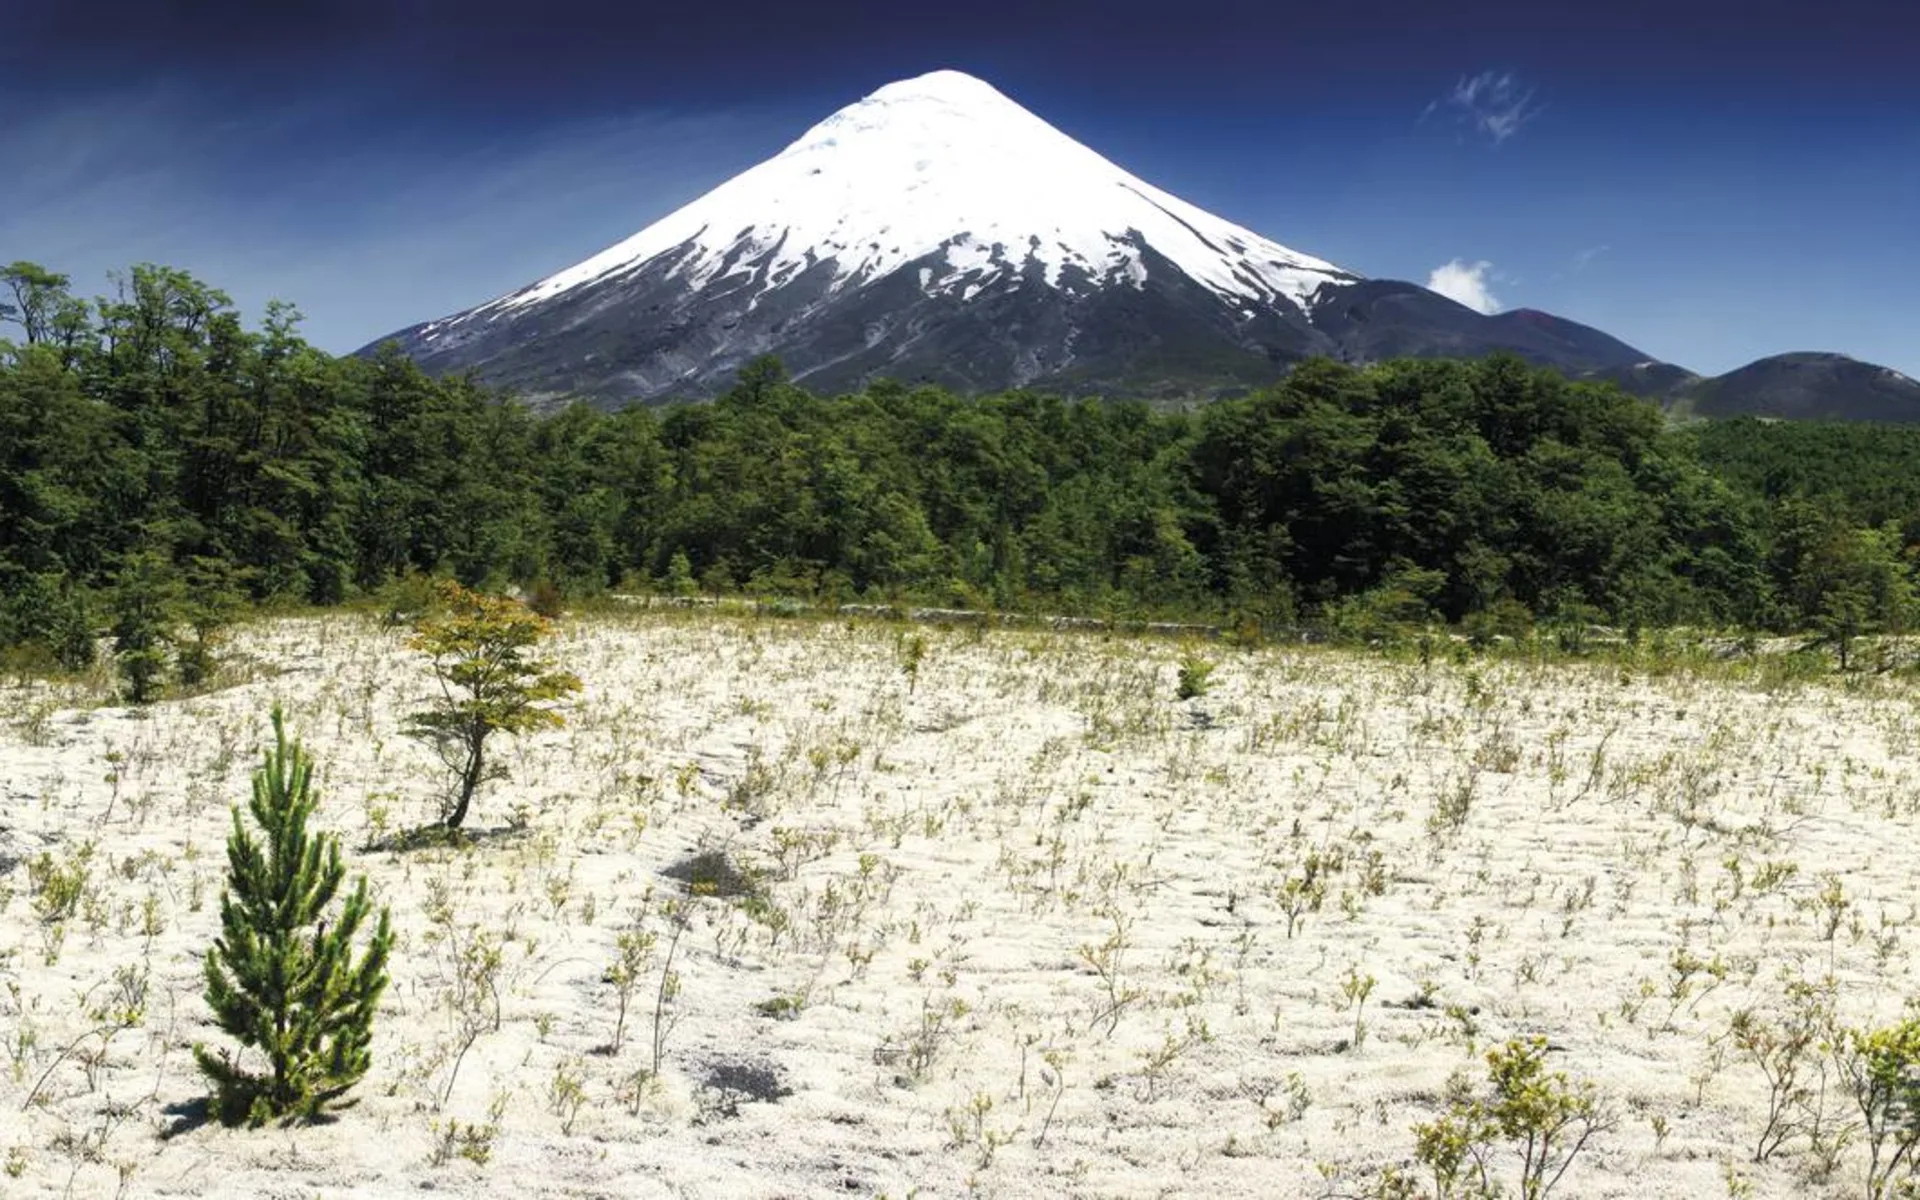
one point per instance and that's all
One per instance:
(944, 87)
(944, 164)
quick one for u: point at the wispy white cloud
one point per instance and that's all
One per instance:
(1467, 283)
(1493, 104)
(1585, 257)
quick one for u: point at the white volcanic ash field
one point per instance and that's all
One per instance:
(1024, 924)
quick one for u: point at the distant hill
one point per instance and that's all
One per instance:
(1805, 387)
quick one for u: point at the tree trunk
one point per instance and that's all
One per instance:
(469, 781)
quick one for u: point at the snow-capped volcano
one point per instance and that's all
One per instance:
(944, 167)
(938, 231)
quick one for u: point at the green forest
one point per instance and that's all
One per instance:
(159, 455)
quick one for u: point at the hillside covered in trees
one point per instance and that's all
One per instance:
(155, 449)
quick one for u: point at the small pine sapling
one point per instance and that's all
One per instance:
(913, 652)
(1195, 673)
(679, 579)
(281, 978)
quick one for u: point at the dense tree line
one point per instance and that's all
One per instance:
(1865, 473)
(156, 452)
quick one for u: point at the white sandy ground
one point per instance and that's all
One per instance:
(1029, 793)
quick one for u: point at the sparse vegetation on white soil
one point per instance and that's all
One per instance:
(984, 912)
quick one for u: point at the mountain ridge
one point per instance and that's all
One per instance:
(936, 231)
(1805, 385)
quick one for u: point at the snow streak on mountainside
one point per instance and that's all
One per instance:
(943, 165)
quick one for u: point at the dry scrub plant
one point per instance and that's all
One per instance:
(1545, 1119)
(1881, 1069)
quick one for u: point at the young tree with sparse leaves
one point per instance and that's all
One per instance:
(281, 978)
(1543, 1119)
(490, 682)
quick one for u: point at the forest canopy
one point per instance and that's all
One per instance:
(150, 439)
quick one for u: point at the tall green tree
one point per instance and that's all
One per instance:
(32, 297)
(1863, 587)
(157, 415)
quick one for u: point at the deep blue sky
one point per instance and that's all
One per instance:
(1711, 181)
